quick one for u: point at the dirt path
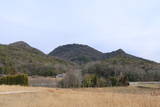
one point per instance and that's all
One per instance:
(16, 92)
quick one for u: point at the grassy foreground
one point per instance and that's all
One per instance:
(89, 97)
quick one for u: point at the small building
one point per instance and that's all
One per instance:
(60, 75)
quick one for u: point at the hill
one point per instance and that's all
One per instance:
(21, 57)
(77, 53)
(83, 54)
(112, 64)
(136, 69)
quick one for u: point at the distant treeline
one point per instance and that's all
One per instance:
(33, 70)
(19, 79)
(116, 71)
(134, 69)
(75, 79)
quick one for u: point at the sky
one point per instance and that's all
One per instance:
(107, 25)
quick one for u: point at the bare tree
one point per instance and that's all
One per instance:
(72, 79)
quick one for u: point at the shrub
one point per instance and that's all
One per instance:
(15, 80)
(118, 81)
(113, 81)
(90, 81)
(101, 82)
(123, 81)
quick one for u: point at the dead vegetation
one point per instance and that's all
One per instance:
(88, 97)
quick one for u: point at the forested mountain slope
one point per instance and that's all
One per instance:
(21, 57)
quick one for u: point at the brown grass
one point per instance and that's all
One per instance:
(91, 97)
(43, 81)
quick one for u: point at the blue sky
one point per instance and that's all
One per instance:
(107, 25)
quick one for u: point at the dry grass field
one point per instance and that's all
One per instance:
(39, 81)
(88, 97)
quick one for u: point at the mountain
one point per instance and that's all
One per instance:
(82, 54)
(122, 53)
(106, 65)
(21, 57)
(77, 53)
(23, 45)
(118, 52)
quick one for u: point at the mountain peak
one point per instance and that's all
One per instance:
(120, 51)
(20, 44)
(73, 45)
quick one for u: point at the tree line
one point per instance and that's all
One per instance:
(75, 79)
